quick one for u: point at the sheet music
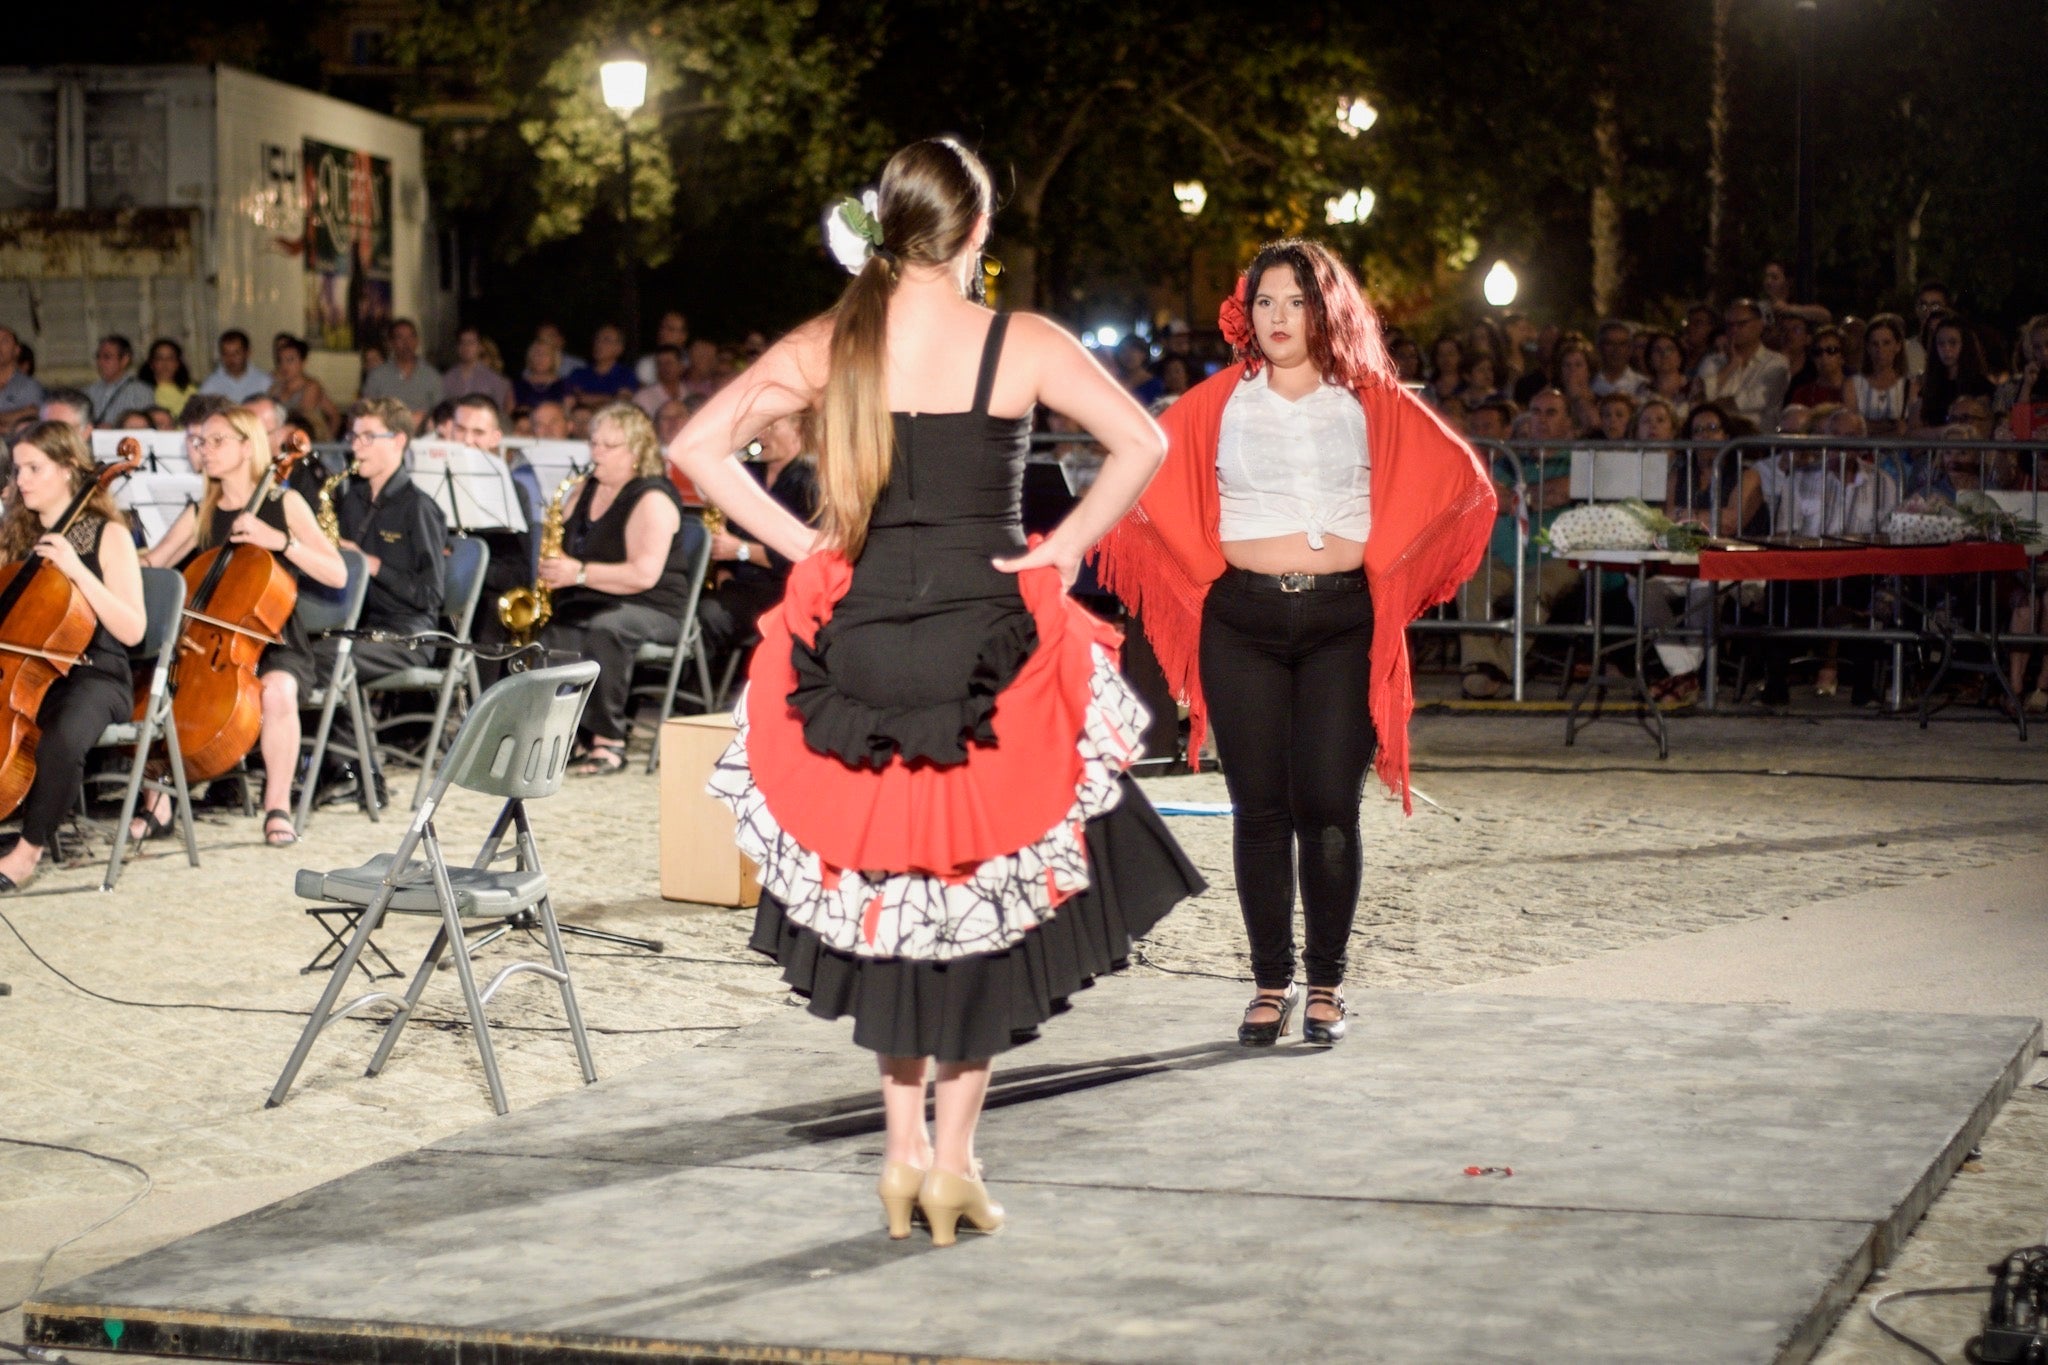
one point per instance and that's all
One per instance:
(554, 461)
(153, 501)
(163, 452)
(473, 488)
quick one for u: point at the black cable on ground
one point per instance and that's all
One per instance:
(438, 1021)
(148, 1184)
(1914, 1342)
(1141, 958)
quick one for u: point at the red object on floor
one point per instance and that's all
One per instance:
(920, 817)
(1973, 556)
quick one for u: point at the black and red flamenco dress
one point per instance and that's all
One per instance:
(931, 772)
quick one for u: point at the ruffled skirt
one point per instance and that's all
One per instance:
(950, 905)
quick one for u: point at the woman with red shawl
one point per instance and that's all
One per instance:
(1310, 507)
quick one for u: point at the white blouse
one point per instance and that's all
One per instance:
(1286, 467)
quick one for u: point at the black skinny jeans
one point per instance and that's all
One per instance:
(75, 712)
(1286, 675)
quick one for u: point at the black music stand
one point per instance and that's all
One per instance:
(473, 488)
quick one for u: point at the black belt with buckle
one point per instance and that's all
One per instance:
(1350, 580)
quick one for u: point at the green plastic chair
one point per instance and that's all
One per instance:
(515, 744)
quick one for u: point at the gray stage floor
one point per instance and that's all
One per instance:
(1690, 1183)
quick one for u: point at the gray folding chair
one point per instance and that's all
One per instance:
(320, 614)
(515, 744)
(468, 557)
(689, 646)
(163, 602)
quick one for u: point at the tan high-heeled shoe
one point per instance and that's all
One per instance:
(946, 1198)
(898, 1187)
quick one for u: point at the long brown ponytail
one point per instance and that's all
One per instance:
(931, 193)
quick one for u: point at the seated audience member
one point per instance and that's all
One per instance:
(2023, 399)
(514, 554)
(1488, 660)
(607, 376)
(406, 376)
(541, 381)
(1616, 346)
(235, 379)
(300, 392)
(119, 390)
(137, 420)
(1827, 375)
(168, 377)
(162, 419)
(672, 330)
(401, 534)
(1617, 415)
(1955, 370)
(1882, 395)
(750, 575)
(20, 393)
(51, 466)
(1667, 377)
(623, 577)
(1490, 421)
(69, 406)
(1750, 379)
(550, 422)
(549, 333)
(230, 448)
(473, 372)
(668, 385)
(707, 371)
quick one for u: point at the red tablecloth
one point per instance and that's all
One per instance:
(1964, 557)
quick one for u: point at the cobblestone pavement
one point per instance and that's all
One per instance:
(1533, 855)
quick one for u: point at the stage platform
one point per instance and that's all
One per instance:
(1691, 1183)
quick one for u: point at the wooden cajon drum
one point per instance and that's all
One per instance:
(699, 861)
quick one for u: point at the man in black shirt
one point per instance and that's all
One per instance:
(402, 537)
(515, 556)
(749, 575)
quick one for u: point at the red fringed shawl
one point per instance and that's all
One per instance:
(1432, 511)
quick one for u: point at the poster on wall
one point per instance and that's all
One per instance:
(348, 246)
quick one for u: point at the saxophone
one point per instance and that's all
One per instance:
(523, 611)
(330, 523)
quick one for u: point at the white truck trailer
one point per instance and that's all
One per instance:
(180, 201)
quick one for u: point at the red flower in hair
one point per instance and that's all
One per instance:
(1237, 326)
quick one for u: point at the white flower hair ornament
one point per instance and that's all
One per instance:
(853, 231)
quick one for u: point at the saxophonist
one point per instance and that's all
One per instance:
(748, 575)
(400, 532)
(622, 578)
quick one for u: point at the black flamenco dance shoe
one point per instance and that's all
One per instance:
(1271, 1032)
(1325, 1032)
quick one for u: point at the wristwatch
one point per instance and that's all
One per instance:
(744, 554)
(582, 574)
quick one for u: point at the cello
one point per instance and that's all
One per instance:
(45, 627)
(237, 600)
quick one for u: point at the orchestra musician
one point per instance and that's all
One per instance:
(233, 452)
(623, 577)
(750, 573)
(52, 465)
(480, 425)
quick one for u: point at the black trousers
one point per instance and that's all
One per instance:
(1285, 675)
(610, 637)
(75, 711)
(374, 659)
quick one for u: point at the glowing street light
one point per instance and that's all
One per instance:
(625, 85)
(1501, 285)
(624, 82)
(1107, 337)
(1355, 115)
(1191, 195)
(1352, 206)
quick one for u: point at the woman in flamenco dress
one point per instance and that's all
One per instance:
(1309, 509)
(931, 753)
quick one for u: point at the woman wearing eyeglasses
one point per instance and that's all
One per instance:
(232, 450)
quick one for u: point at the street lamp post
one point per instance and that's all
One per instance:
(1805, 15)
(624, 80)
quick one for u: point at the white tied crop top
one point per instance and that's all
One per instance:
(1283, 468)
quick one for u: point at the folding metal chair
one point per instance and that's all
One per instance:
(468, 557)
(689, 646)
(515, 744)
(320, 614)
(163, 603)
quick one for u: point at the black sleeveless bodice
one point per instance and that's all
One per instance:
(930, 630)
(271, 513)
(105, 654)
(603, 541)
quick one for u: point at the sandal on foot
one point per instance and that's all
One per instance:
(154, 826)
(8, 886)
(1325, 1032)
(279, 838)
(1267, 1032)
(602, 758)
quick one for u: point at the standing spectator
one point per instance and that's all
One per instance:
(235, 379)
(1446, 371)
(1133, 369)
(668, 385)
(2023, 399)
(69, 406)
(1827, 371)
(1617, 343)
(1667, 378)
(474, 372)
(552, 335)
(1882, 395)
(672, 330)
(606, 376)
(1750, 378)
(300, 392)
(19, 392)
(118, 391)
(406, 376)
(541, 381)
(1777, 289)
(172, 380)
(1954, 370)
